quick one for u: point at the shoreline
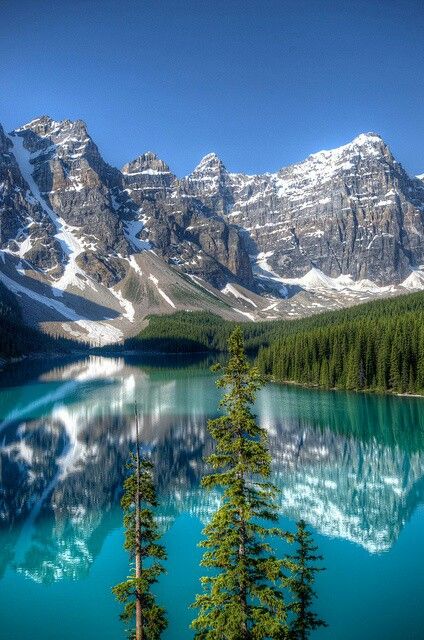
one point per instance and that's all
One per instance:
(7, 362)
(374, 392)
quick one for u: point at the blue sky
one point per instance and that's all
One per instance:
(262, 84)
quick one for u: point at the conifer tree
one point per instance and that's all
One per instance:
(302, 569)
(142, 543)
(242, 598)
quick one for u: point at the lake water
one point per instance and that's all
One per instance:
(351, 465)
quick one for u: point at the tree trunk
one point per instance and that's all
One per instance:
(243, 587)
(139, 632)
(241, 555)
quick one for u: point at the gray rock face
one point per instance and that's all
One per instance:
(69, 222)
(198, 242)
(24, 227)
(211, 183)
(352, 210)
(75, 181)
(149, 175)
(185, 228)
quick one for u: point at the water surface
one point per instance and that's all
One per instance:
(352, 465)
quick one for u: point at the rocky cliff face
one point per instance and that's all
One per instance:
(352, 210)
(73, 184)
(98, 203)
(148, 175)
(211, 183)
(335, 229)
(24, 226)
(186, 231)
(349, 211)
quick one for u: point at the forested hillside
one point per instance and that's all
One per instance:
(17, 339)
(193, 332)
(378, 352)
(376, 346)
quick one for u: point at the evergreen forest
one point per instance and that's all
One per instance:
(377, 346)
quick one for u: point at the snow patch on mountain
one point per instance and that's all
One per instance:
(98, 333)
(248, 315)
(262, 261)
(414, 281)
(132, 230)
(133, 263)
(129, 311)
(231, 289)
(160, 291)
(272, 306)
(71, 245)
(316, 280)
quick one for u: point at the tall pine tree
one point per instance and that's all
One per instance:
(142, 542)
(302, 568)
(242, 597)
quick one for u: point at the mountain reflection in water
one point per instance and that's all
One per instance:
(351, 465)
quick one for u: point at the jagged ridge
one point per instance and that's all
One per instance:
(339, 226)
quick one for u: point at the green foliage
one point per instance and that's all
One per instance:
(378, 346)
(375, 346)
(142, 538)
(242, 598)
(193, 332)
(302, 568)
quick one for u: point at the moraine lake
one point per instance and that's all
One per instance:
(352, 465)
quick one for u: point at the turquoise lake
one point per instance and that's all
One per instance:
(352, 465)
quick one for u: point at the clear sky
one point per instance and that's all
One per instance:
(262, 83)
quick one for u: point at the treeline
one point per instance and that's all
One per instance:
(379, 348)
(195, 332)
(17, 339)
(374, 346)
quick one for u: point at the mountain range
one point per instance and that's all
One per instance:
(90, 251)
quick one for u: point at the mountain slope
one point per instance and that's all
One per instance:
(352, 210)
(91, 251)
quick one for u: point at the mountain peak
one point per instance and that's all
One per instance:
(46, 126)
(368, 143)
(148, 162)
(370, 139)
(44, 120)
(210, 163)
(367, 137)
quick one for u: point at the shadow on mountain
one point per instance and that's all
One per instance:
(57, 305)
(87, 309)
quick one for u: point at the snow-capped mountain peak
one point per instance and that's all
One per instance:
(147, 163)
(86, 243)
(370, 144)
(209, 164)
(45, 126)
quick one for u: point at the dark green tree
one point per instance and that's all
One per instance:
(242, 597)
(142, 543)
(302, 569)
